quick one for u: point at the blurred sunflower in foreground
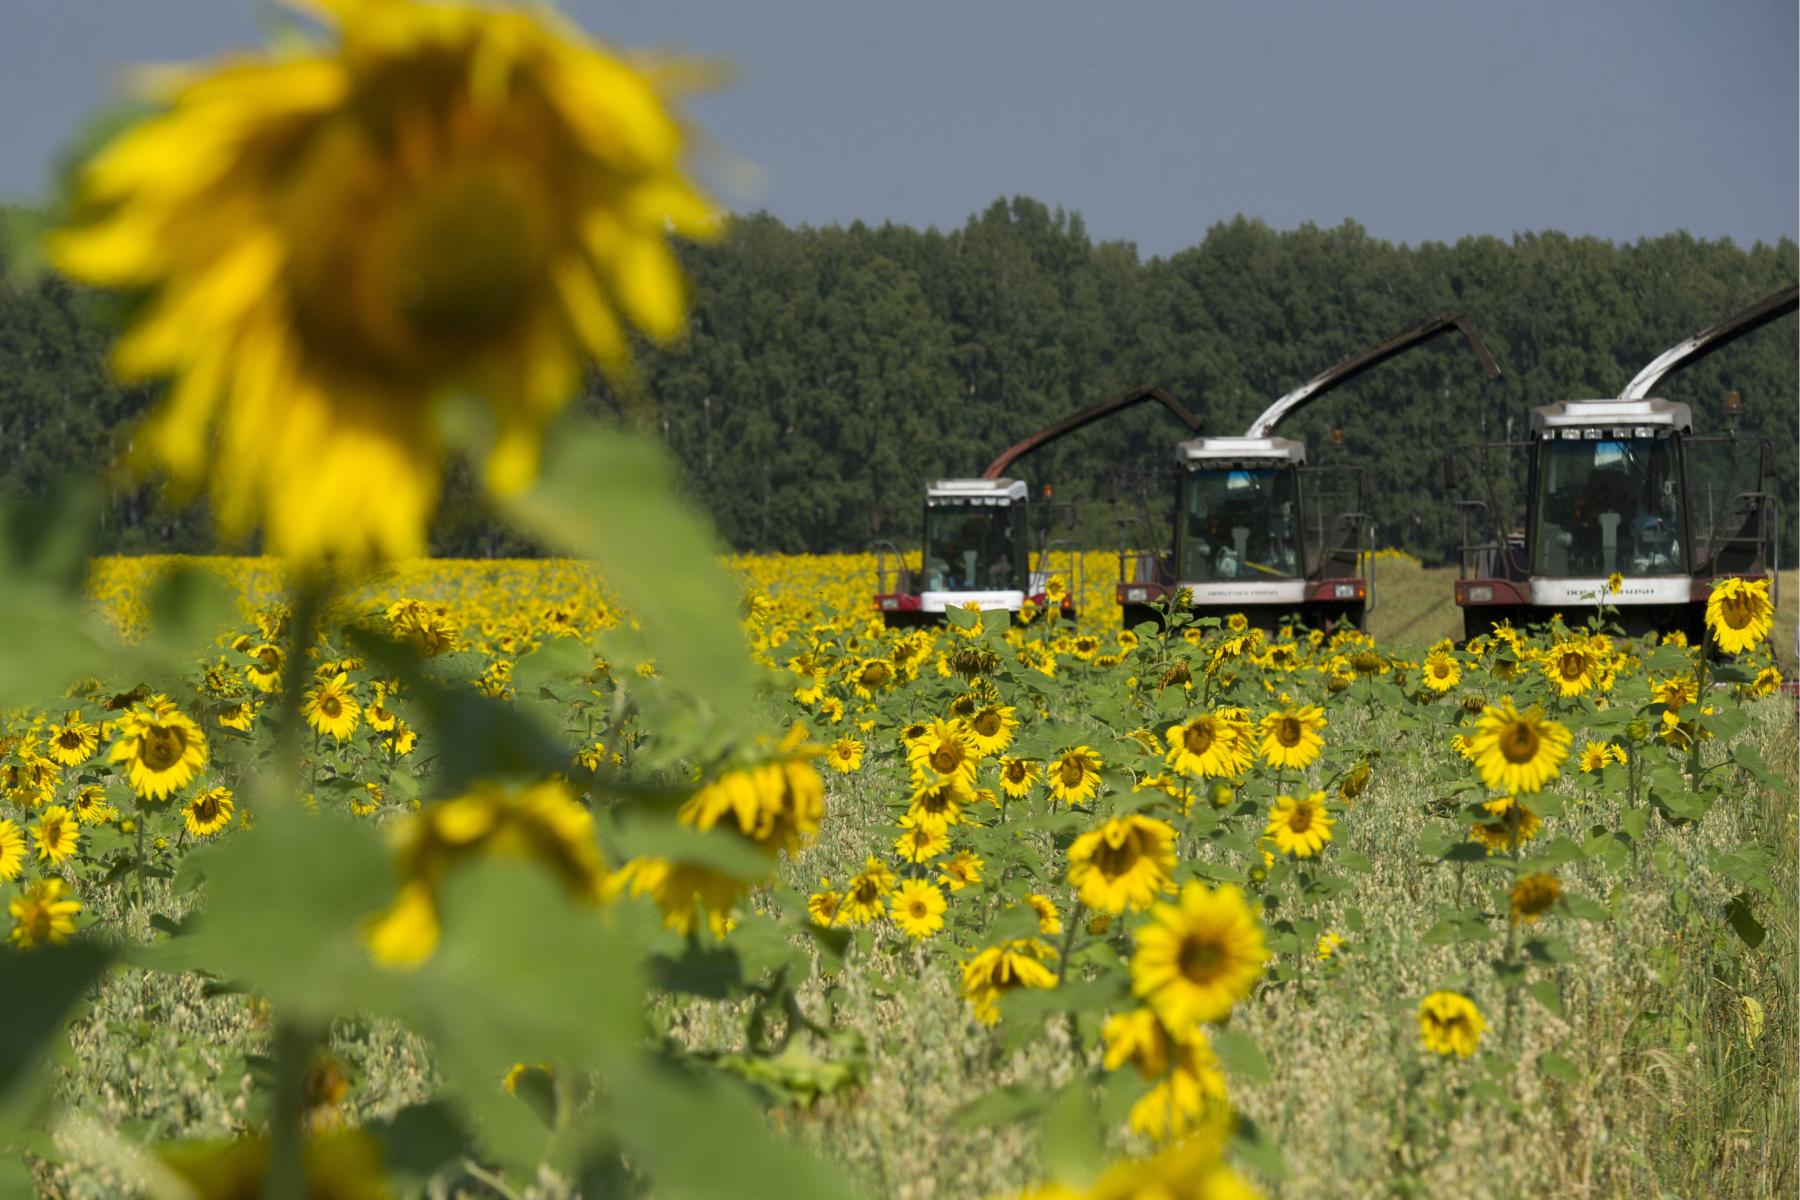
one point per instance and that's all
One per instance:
(448, 199)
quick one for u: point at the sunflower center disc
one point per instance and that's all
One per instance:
(1200, 959)
(162, 749)
(1519, 743)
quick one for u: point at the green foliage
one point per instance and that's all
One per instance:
(828, 372)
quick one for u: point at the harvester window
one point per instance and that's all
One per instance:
(970, 548)
(1239, 524)
(1608, 506)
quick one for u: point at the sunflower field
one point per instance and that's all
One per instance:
(648, 871)
(985, 910)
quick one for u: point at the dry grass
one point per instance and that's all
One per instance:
(1672, 1095)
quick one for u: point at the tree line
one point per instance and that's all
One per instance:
(828, 372)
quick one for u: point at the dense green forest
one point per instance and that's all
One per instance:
(829, 372)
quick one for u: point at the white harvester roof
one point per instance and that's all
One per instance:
(975, 491)
(1611, 418)
(1227, 452)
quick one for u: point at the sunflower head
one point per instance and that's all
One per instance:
(441, 198)
(1738, 613)
(1449, 1023)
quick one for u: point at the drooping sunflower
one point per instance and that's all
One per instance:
(1517, 751)
(918, 908)
(332, 708)
(335, 1164)
(380, 717)
(1533, 895)
(921, 841)
(1186, 1076)
(74, 741)
(1123, 864)
(542, 824)
(400, 740)
(823, 906)
(938, 805)
(777, 804)
(264, 671)
(1300, 827)
(1000, 969)
(1512, 824)
(1290, 737)
(1017, 776)
(1199, 956)
(334, 239)
(1739, 614)
(41, 915)
(239, 716)
(208, 812)
(12, 850)
(1449, 1023)
(865, 896)
(1210, 744)
(1183, 1099)
(1441, 671)
(1676, 692)
(1049, 920)
(161, 748)
(1074, 775)
(961, 869)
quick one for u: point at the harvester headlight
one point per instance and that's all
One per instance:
(1344, 591)
(889, 604)
(1481, 594)
(1137, 595)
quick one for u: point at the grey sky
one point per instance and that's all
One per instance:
(1153, 119)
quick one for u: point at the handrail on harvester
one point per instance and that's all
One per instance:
(1086, 416)
(1375, 355)
(1713, 337)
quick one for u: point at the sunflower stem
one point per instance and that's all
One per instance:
(293, 1041)
(287, 1171)
(143, 913)
(310, 596)
(1062, 965)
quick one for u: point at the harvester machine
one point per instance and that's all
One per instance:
(984, 544)
(1260, 532)
(1625, 506)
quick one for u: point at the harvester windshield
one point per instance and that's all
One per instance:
(1609, 506)
(974, 547)
(1240, 523)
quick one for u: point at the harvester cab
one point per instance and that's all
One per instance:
(1260, 532)
(987, 545)
(1624, 505)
